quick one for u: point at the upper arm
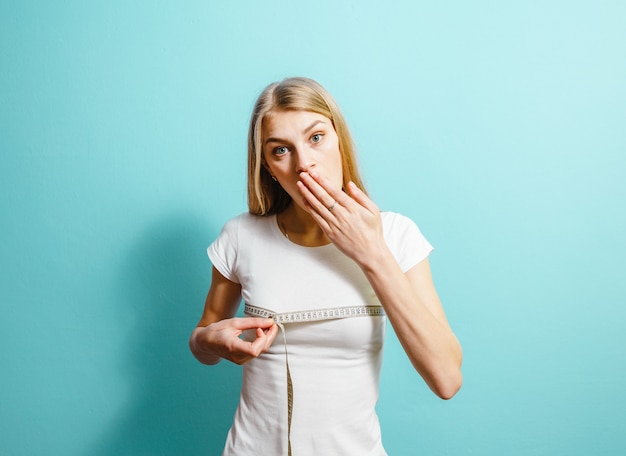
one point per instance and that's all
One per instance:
(222, 299)
(421, 281)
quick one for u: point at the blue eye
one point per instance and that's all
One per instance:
(316, 137)
(280, 150)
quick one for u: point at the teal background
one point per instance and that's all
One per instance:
(498, 126)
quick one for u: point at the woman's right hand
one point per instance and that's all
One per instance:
(222, 339)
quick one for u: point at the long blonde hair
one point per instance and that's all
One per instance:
(266, 196)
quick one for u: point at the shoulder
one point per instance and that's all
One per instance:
(394, 222)
(247, 225)
(390, 217)
(244, 221)
(404, 238)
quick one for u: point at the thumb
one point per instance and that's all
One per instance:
(360, 197)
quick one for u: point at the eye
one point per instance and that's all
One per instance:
(282, 150)
(317, 137)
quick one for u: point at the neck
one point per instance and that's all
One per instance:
(299, 227)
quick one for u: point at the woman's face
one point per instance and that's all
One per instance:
(300, 141)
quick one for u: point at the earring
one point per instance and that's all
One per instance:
(274, 177)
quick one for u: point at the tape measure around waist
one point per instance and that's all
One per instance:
(304, 316)
(307, 316)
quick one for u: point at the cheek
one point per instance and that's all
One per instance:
(339, 161)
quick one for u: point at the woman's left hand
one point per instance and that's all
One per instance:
(350, 220)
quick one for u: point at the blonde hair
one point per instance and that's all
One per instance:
(265, 195)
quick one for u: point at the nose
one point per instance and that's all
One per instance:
(304, 160)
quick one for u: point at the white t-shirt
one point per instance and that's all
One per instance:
(334, 364)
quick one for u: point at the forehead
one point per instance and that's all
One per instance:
(277, 123)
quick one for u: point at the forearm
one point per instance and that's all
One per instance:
(430, 344)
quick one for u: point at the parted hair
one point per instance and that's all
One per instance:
(265, 195)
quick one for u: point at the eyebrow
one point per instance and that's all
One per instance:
(305, 131)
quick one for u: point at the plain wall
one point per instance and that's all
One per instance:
(499, 127)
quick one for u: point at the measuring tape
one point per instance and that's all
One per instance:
(307, 316)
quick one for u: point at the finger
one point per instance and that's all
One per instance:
(312, 203)
(239, 347)
(360, 197)
(244, 323)
(271, 335)
(323, 212)
(314, 212)
(322, 189)
(265, 338)
(262, 341)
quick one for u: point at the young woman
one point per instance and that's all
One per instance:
(319, 268)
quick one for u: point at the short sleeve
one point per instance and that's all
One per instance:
(405, 240)
(223, 251)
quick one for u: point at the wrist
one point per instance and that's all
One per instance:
(378, 259)
(200, 347)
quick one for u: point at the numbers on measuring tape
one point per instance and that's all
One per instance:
(315, 315)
